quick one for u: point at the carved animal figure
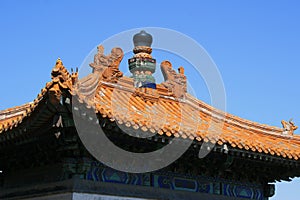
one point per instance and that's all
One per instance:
(175, 82)
(288, 127)
(108, 65)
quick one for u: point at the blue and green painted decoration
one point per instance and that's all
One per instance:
(174, 181)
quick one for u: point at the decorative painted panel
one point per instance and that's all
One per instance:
(96, 171)
(207, 185)
(242, 191)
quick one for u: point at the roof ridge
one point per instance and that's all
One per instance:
(241, 122)
(61, 78)
(237, 132)
(15, 108)
(201, 120)
(210, 110)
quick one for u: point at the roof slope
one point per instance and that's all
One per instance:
(61, 80)
(159, 110)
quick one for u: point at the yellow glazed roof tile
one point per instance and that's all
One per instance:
(158, 111)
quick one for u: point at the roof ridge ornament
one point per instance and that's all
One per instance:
(288, 127)
(174, 82)
(59, 72)
(105, 68)
(61, 79)
(74, 76)
(142, 65)
(108, 65)
(142, 39)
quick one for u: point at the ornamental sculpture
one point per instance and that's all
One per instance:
(61, 80)
(175, 82)
(142, 65)
(288, 127)
(108, 66)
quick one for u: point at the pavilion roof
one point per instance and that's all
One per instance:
(162, 111)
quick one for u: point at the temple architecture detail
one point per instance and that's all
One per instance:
(142, 65)
(288, 127)
(107, 67)
(43, 157)
(175, 82)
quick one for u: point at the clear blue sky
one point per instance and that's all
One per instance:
(255, 45)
